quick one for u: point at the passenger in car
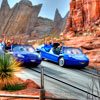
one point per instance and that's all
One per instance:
(61, 45)
(1, 43)
(7, 46)
(47, 45)
(7, 43)
(57, 49)
(13, 40)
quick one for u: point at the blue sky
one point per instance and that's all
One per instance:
(49, 6)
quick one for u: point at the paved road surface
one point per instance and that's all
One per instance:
(69, 75)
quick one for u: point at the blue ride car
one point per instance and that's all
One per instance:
(26, 54)
(70, 56)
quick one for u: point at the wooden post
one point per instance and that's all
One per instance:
(42, 91)
(42, 78)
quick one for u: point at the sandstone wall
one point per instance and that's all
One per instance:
(84, 15)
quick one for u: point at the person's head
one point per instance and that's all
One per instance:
(61, 44)
(8, 43)
(0, 40)
(49, 43)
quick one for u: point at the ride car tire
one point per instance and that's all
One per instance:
(36, 65)
(61, 61)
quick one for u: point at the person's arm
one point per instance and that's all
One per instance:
(45, 45)
(13, 40)
(52, 41)
(4, 38)
(45, 40)
(20, 40)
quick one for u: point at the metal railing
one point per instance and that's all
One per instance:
(42, 92)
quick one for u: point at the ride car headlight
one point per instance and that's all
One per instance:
(19, 55)
(70, 56)
(39, 56)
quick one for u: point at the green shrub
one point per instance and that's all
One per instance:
(14, 87)
(8, 67)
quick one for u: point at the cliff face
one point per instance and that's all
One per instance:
(23, 18)
(33, 19)
(20, 19)
(59, 23)
(64, 22)
(4, 12)
(43, 25)
(84, 16)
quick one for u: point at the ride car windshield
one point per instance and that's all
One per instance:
(72, 51)
(23, 48)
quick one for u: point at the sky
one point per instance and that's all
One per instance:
(49, 7)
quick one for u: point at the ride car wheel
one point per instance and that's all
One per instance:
(36, 65)
(61, 61)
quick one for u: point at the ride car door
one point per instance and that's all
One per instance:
(52, 56)
(44, 53)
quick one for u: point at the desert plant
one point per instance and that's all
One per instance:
(8, 67)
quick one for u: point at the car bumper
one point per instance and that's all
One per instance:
(76, 63)
(25, 61)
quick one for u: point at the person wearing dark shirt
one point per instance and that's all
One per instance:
(7, 46)
(58, 47)
(61, 45)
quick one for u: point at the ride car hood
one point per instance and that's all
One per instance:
(28, 55)
(78, 57)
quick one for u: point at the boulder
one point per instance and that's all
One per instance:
(31, 84)
(70, 34)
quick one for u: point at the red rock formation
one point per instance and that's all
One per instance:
(83, 15)
(31, 84)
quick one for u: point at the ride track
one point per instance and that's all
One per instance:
(92, 72)
(68, 84)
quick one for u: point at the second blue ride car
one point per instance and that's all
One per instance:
(70, 56)
(26, 54)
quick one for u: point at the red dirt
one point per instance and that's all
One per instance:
(32, 89)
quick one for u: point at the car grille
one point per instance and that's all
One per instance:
(82, 62)
(30, 56)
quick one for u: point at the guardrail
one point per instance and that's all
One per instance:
(42, 92)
